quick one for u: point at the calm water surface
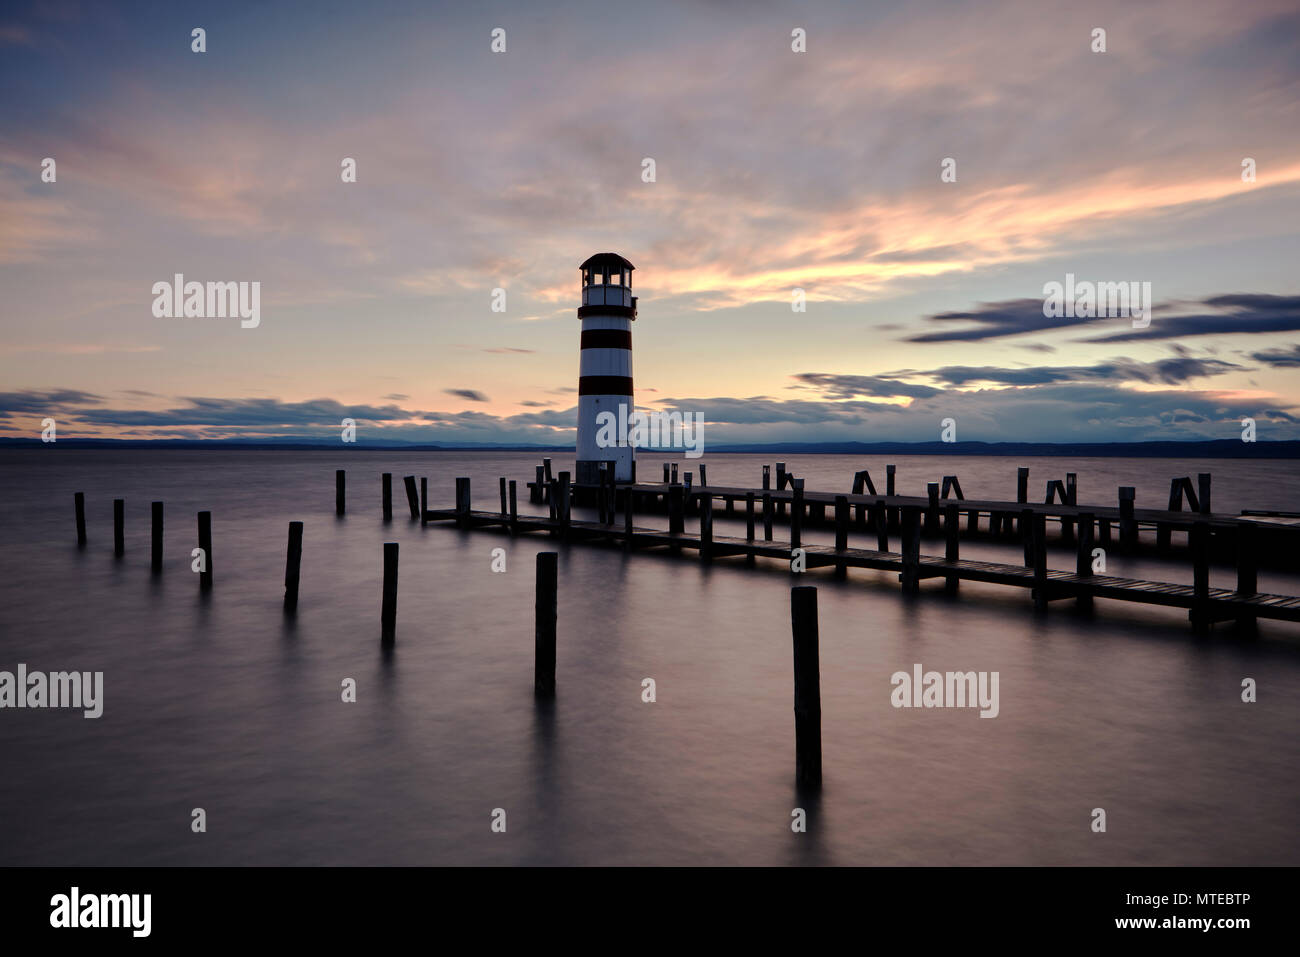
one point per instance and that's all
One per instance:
(219, 702)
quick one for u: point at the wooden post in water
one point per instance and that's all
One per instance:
(706, 528)
(749, 516)
(1027, 535)
(156, 537)
(1071, 498)
(911, 549)
(666, 477)
(340, 492)
(412, 497)
(424, 500)
(1128, 531)
(1022, 485)
(892, 514)
(704, 478)
(566, 502)
(1247, 570)
(1203, 487)
(767, 477)
(1083, 563)
(545, 615)
(882, 526)
(535, 495)
(674, 476)
(205, 543)
(292, 566)
(932, 510)
(767, 516)
(388, 613)
(79, 503)
(387, 480)
(676, 520)
(796, 516)
(119, 526)
(952, 542)
(505, 506)
(546, 473)
(1199, 539)
(780, 486)
(841, 531)
(807, 688)
(462, 502)
(1039, 542)
(514, 509)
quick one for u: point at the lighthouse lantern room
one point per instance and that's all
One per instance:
(605, 368)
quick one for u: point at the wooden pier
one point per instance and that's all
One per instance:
(1205, 605)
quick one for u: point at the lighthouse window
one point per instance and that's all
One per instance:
(616, 278)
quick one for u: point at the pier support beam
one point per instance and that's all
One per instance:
(545, 615)
(807, 688)
(292, 567)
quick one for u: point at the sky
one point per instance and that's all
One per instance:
(774, 171)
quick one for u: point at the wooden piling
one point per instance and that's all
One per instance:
(388, 614)
(952, 542)
(911, 548)
(205, 543)
(1247, 568)
(1199, 539)
(780, 486)
(706, 528)
(704, 478)
(566, 504)
(1203, 486)
(932, 510)
(749, 516)
(1039, 544)
(1175, 505)
(514, 509)
(545, 615)
(387, 482)
(119, 527)
(412, 497)
(424, 499)
(796, 517)
(882, 525)
(505, 505)
(841, 531)
(807, 688)
(767, 477)
(891, 516)
(292, 566)
(666, 477)
(340, 492)
(156, 537)
(1027, 535)
(676, 513)
(535, 494)
(674, 465)
(1022, 485)
(1083, 561)
(462, 502)
(79, 504)
(767, 516)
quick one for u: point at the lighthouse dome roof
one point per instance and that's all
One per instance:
(602, 260)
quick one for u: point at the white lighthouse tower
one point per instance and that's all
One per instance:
(605, 370)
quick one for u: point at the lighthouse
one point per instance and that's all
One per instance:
(605, 368)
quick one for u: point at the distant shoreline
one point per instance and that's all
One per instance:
(1215, 448)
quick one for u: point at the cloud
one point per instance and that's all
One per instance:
(1279, 358)
(469, 394)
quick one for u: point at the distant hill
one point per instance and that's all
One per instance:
(1213, 448)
